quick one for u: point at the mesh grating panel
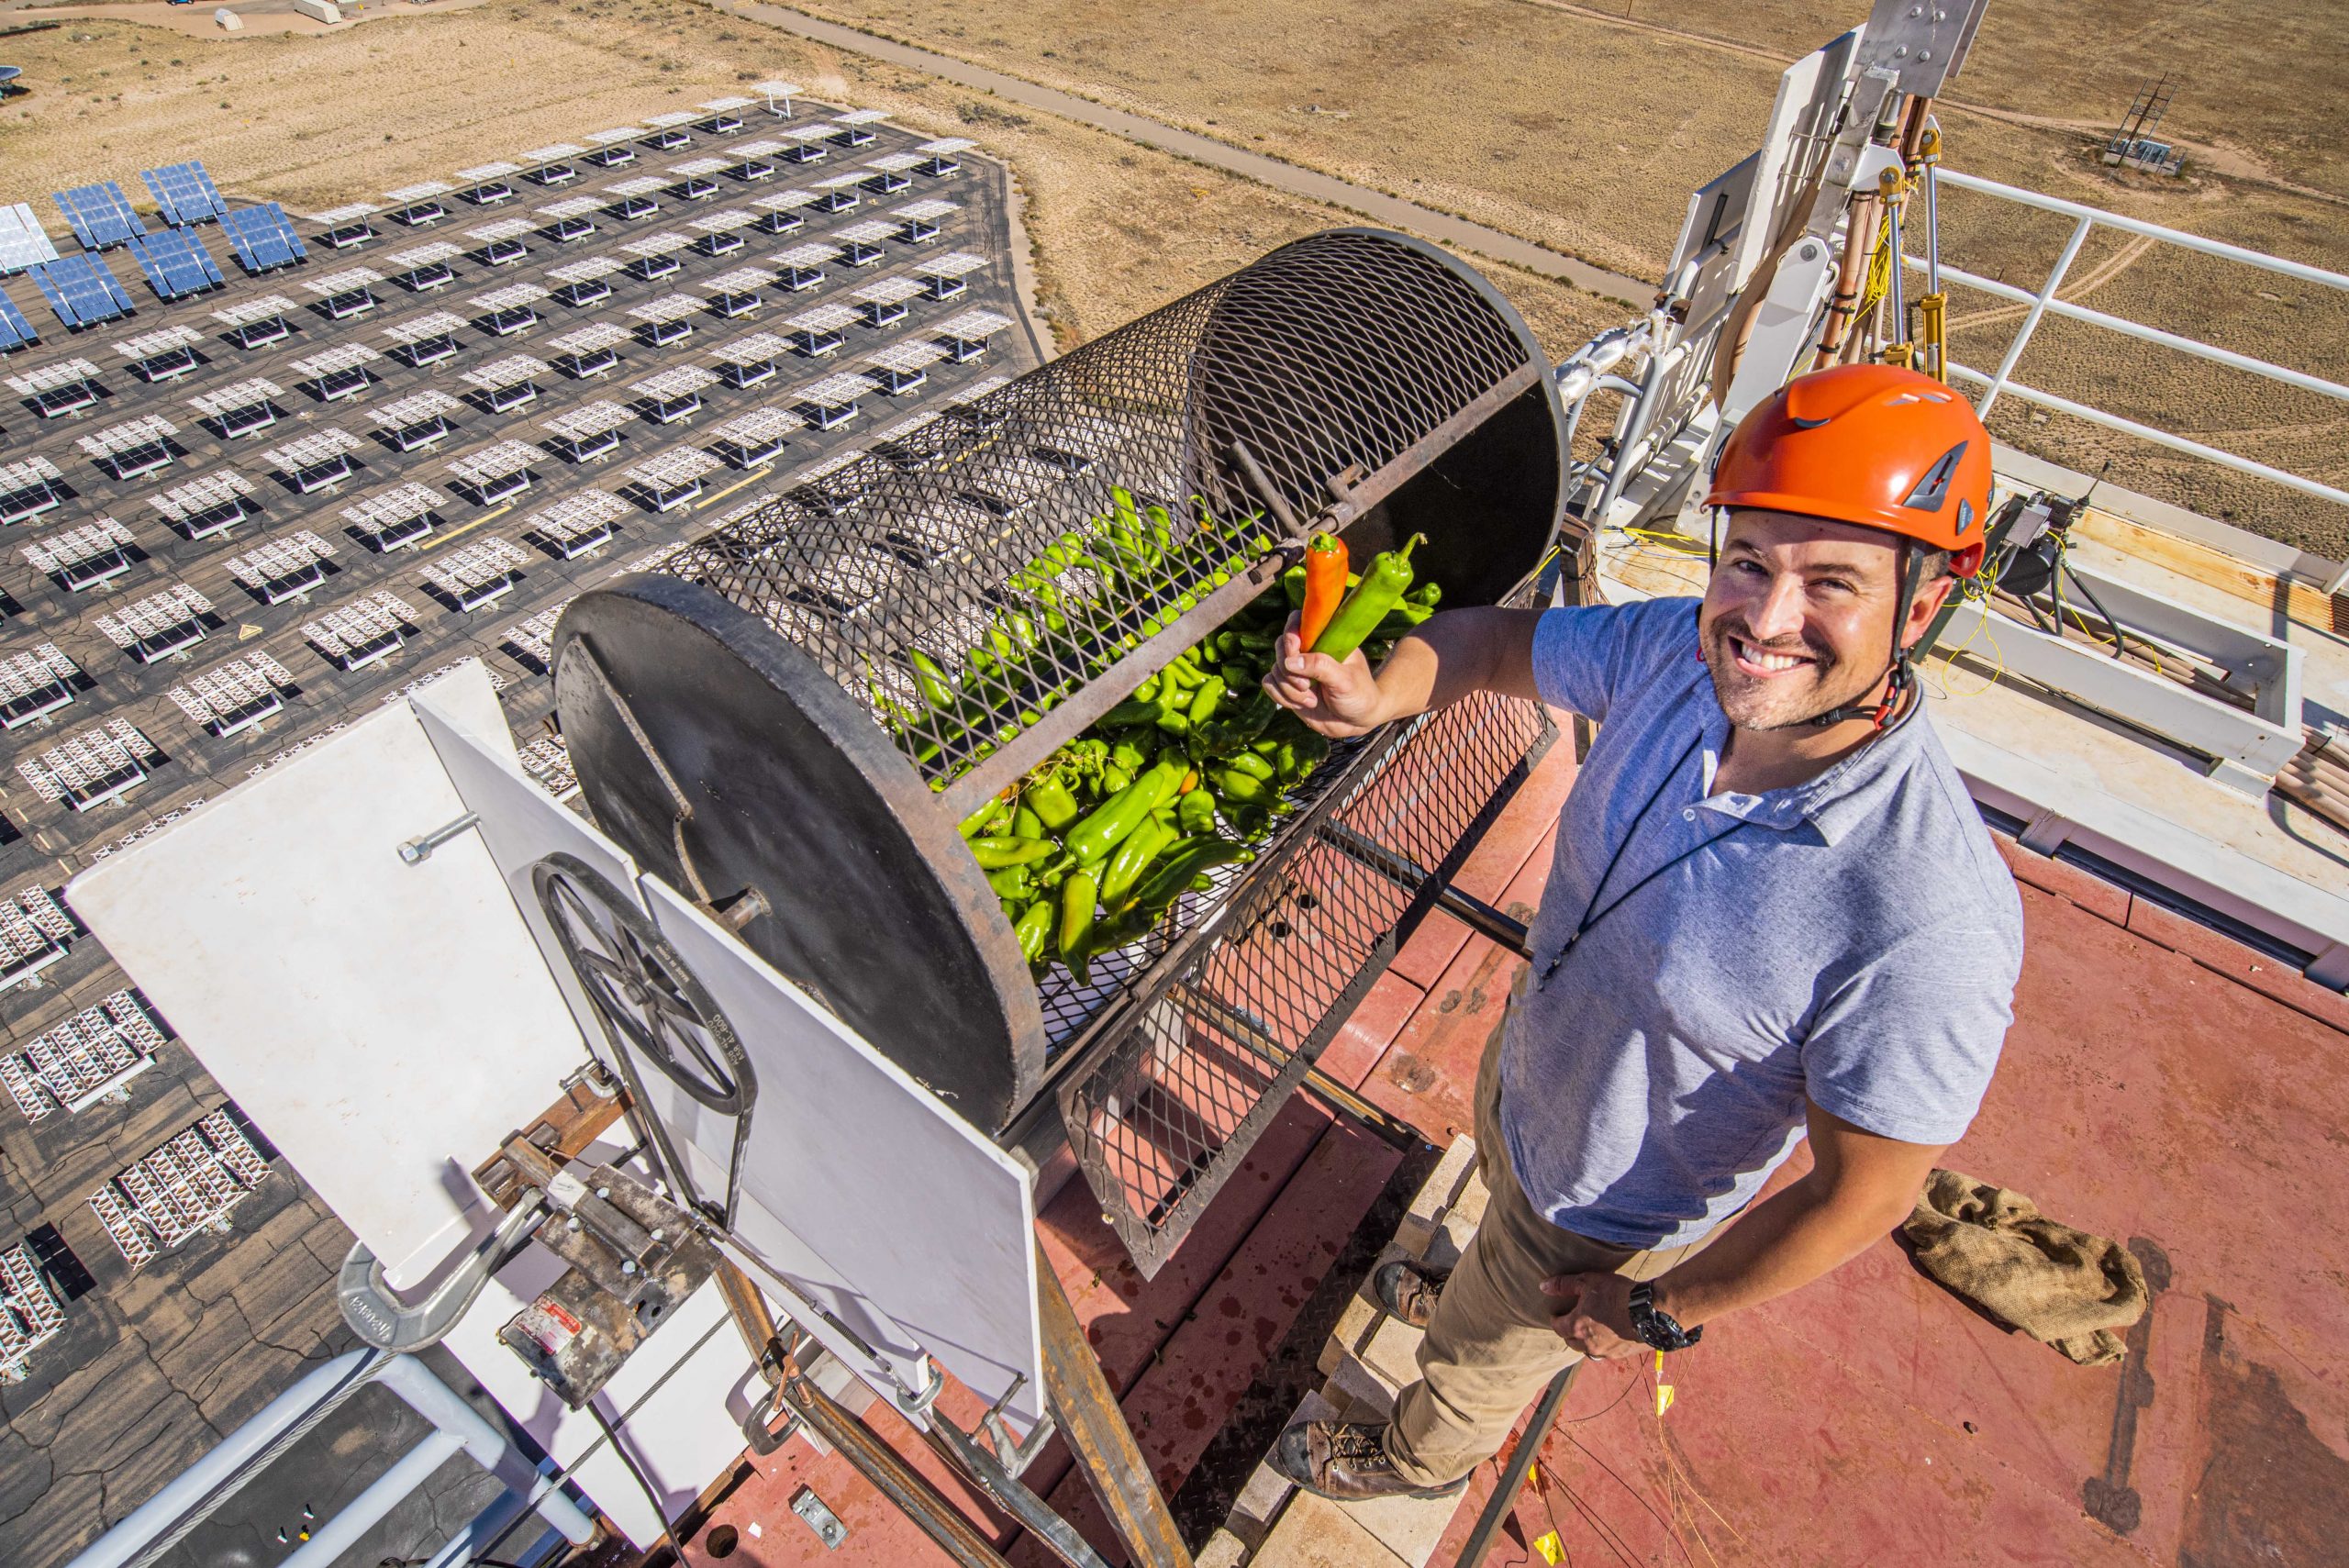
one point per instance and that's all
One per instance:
(1275, 961)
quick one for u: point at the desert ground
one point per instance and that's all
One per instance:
(1581, 129)
(1585, 129)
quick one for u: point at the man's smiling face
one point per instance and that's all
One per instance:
(1798, 620)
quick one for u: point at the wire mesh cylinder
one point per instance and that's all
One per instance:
(788, 720)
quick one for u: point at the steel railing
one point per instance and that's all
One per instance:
(191, 1496)
(2043, 302)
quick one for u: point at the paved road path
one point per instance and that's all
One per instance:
(1376, 205)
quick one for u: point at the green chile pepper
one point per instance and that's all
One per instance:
(1204, 701)
(930, 681)
(1108, 827)
(1381, 588)
(1133, 857)
(1251, 763)
(978, 821)
(1010, 882)
(1033, 928)
(1195, 813)
(1189, 859)
(1077, 898)
(993, 854)
(1026, 824)
(1051, 801)
(1242, 789)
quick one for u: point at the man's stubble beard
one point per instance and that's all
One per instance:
(1752, 705)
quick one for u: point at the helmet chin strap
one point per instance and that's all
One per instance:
(1901, 676)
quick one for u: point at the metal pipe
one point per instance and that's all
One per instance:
(437, 1403)
(903, 1486)
(196, 1493)
(1894, 300)
(190, 1497)
(2030, 318)
(1512, 1481)
(338, 1534)
(2162, 438)
(1034, 1515)
(2218, 248)
(2144, 333)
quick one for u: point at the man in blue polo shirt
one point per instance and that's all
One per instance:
(1773, 912)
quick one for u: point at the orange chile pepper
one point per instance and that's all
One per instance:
(1325, 586)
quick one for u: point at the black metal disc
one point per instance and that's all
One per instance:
(792, 793)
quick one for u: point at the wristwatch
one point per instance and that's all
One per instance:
(1657, 1328)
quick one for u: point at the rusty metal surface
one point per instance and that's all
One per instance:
(1085, 1407)
(562, 1133)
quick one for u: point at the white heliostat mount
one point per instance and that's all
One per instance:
(388, 1018)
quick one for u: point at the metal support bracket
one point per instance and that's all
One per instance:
(379, 1318)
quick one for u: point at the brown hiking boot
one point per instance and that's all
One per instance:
(1346, 1461)
(1408, 1291)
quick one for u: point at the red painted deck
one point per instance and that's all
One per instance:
(2162, 1084)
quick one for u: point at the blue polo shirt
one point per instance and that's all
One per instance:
(1853, 941)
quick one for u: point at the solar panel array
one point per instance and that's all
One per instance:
(394, 509)
(184, 193)
(228, 692)
(197, 496)
(101, 215)
(176, 263)
(52, 376)
(158, 614)
(262, 237)
(82, 290)
(131, 436)
(365, 625)
(158, 644)
(188, 1186)
(23, 241)
(77, 547)
(155, 345)
(74, 1062)
(15, 331)
(468, 568)
(511, 371)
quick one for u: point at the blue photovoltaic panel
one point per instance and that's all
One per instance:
(185, 193)
(15, 331)
(262, 236)
(175, 263)
(100, 215)
(82, 290)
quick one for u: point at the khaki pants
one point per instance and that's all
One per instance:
(1490, 1349)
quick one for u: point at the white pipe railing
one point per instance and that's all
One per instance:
(2041, 303)
(188, 1498)
(2141, 331)
(2219, 248)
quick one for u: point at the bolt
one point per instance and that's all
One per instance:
(628, 1265)
(656, 1235)
(575, 1222)
(604, 1192)
(415, 852)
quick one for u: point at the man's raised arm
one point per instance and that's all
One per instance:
(1450, 655)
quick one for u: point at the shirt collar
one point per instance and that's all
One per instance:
(1836, 801)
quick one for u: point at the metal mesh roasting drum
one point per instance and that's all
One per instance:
(746, 721)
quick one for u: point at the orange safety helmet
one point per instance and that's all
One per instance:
(1877, 445)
